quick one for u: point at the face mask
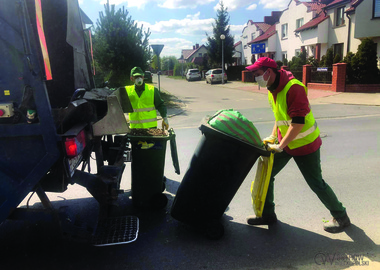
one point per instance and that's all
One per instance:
(260, 80)
(139, 81)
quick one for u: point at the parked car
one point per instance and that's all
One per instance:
(215, 75)
(148, 77)
(193, 75)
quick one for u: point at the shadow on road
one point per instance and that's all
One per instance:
(164, 243)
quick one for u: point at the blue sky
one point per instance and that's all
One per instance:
(180, 24)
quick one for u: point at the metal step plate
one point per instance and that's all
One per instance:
(116, 231)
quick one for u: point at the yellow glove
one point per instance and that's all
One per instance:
(274, 148)
(271, 139)
(165, 123)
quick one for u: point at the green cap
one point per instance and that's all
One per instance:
(137, 71)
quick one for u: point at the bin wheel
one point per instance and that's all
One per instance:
(158, 201)
(214, 230)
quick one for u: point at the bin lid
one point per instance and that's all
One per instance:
(237, 125)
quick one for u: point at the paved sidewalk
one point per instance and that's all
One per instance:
(318, 96)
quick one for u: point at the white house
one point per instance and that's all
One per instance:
(265, 45)
(317, 25)
(290, 42)
(194, 55)
(237, 56)
(350, 21)
(251, 31)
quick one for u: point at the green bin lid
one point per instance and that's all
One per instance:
(237, 125)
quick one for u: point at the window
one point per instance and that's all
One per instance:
(376, 8)
(284, 30)
(338, 49)
(299, 23)
(200, 55)
(253, 36)
(284, 56)
(339, 16)
(245, 46)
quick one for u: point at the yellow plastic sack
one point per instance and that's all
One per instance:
(259, 186)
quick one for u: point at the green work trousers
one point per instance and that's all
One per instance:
(310, 167)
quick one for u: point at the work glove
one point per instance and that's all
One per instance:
(274, 148)
(165, 123)
(271, 139)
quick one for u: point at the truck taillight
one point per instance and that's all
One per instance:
(75, 145)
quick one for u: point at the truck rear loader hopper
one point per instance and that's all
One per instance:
(52, 118)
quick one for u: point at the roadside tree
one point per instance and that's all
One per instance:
(119, 45)
(214, 43)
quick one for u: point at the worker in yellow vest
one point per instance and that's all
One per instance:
(295, 135)
(144, 100)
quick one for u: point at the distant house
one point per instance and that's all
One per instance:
(237, 56)
(194, 55)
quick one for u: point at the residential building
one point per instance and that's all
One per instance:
(237, 56)
(265, 45)
(194, 55)
(317, 25)
(290, 42)
(251, 31)
(360, 19)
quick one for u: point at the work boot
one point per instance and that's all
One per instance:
(337, 225)
(264, 220)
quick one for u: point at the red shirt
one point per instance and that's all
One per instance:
(298, 106)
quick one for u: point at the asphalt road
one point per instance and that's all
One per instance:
(350, 164)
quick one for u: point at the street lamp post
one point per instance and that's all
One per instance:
(222, 37)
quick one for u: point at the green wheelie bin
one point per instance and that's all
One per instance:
(148, 164)
(226, 152)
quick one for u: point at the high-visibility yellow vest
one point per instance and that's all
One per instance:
(310, 130)
(144, 113)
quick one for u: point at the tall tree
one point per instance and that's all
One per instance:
(119, 45)
(214, 43)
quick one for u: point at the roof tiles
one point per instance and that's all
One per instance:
(313, 23)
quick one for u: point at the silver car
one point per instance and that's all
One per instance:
(215, 75)
(193, 75)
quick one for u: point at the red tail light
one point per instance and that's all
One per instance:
(71, 147)
(212, 75)
(75, 145)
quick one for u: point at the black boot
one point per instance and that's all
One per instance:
(337, 225)
(264, 220)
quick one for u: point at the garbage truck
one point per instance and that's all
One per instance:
(53, 119)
